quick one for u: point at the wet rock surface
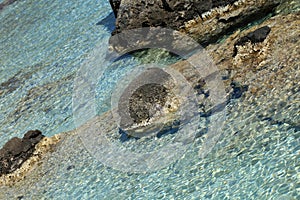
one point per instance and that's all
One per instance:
(19, 156)
(148, 98)
(264, 75)
(268, 68)
(146, 101)
(215, 24)
(115, 5)
(16, 151)
(257, 61)
(257, 36)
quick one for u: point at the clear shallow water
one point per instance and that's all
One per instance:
(40, 57)
(43, 45)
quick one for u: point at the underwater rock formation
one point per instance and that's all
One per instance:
(265, 59)
(252, 60)
(262, 72)
(148, 103)
(6, 3)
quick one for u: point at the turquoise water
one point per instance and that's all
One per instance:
(41, 57)
(44, 43)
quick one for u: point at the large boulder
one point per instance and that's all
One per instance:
(16, 151)
(205, 21)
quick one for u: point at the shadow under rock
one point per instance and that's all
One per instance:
(108, 22)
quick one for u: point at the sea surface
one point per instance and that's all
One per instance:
(44, 44)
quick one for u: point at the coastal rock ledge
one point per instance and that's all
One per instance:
(205, 21)
(263, 58)
(18, 155)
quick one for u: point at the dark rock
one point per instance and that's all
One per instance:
(238, 90)
(32, 134)
(218, 3)
(166, 13)
(16, 151)
(13, 146)
(138, 101)
(33, 137)
(146, 101)
(259, 35)
(115, 5)
(20, 197)
(144, 104)
(176, 15)
(70, 167)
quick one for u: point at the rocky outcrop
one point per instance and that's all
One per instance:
(249, 58)
(261, 63)
(172, 14)
(147, 100)
(265, 58)
(18, 156)
(115, 5)
(254, 37)
(16, 151)
(205, 21)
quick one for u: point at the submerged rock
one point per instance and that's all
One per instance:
(265, 67)
(148, 103)
(6, 3)
(261, 56)
(264, 72)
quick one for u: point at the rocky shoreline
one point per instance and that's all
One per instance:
(19, 156)
(16, 151)
(260, 64)
(205, 22)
